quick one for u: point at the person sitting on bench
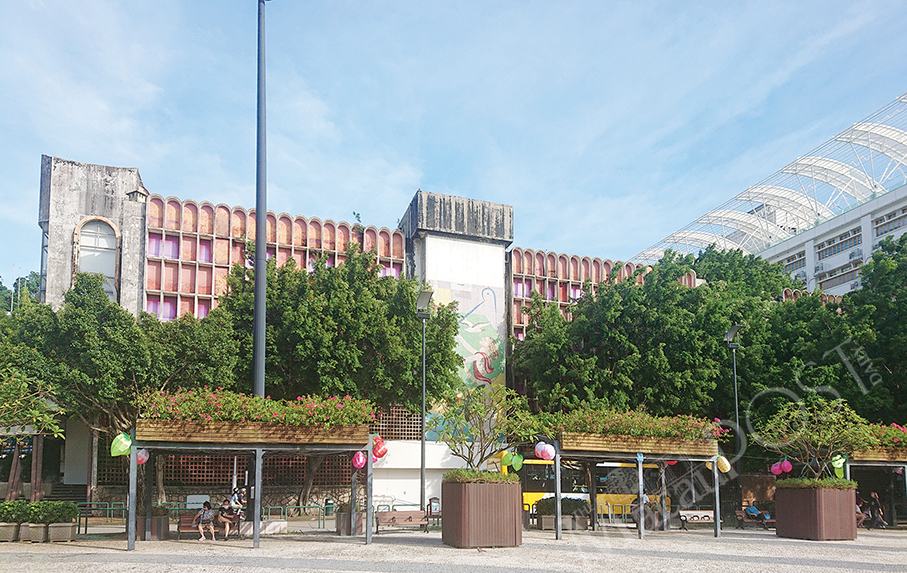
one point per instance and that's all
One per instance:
(753, 512)
(205, 518)
(228, 516)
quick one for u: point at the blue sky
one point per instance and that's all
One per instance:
(607, 125)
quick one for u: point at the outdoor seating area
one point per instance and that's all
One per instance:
(743, 519)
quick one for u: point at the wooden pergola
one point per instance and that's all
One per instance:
(593, 448)
(255, 444)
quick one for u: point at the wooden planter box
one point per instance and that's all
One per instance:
(482, 514)
(632, 444)
(818, 514)
(160, 527)
(881, 455)
(61, 532)
(9, 531)
(247, 433)
(34, 532)
(342, 520)
(546, 522)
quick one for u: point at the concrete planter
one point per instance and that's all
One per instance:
(33, 532)
(817, 514)
(482, 514)
(9, 531)
(61, 532)
(570, 522)
(342, 520)
(160, 527)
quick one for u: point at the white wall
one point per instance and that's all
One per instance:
(397, 474)
(463, 261)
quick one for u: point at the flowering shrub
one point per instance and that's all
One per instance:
(219, 405)
(893, 436)
(637, 423)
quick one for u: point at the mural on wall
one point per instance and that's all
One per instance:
(480, 339)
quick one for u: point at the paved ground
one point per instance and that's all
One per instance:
(404, 551)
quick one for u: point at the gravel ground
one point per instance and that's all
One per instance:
(405, 551)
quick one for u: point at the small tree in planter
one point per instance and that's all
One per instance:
(817, 505)
(61, 524)
(482, 509)
(12, 514)
(39, 515)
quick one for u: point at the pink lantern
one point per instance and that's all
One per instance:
(380, 450)
(547, 452)
(359, 460)
(374, 459)
(538, 449)
(786, 466)
(776, 468)
(143, 456)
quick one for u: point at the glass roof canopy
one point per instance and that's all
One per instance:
(862, 162)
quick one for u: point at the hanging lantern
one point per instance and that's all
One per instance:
(786, 466)
(516, 461)
(708, 465)
(724, 466)
(776, 468)
(548, 452)
(671, 463)
(359, 460)
(374, 459)
(380, 450)
(142, 456)
(506, 459)
(538, 449)
(120, 445)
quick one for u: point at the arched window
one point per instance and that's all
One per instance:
(98, 253)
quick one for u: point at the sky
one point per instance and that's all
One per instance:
(607, 125)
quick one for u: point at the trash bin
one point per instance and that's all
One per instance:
(328, 507)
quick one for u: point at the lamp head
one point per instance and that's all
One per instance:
(423, 304)
(732, 332)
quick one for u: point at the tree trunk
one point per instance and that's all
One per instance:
(160, 465)
(312, 463)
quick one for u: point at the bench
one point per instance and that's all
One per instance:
(400, 518)
(186, 526)
(695, 516)
(743, 519)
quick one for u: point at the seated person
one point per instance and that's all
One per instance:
(228, 516)
(205, 519)
(861, 516)
(239, 497)
(753, 512)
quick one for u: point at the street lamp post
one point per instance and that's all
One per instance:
(423, 312)
(729, 337)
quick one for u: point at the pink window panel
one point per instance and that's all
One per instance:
(153, 306)
(156, 213)
(204, 250)
(563, 293)
(220, 281)
(518, 288)
(204, 307)
(222, 251)
(189, 249)
(299, 257)
(398, 246)
(171, 276)
(271, 252)
(575, 292)
(236, 253)
(171, 247)
(551, 292)
(398, 270)
(205, 282)
(517, 313)
(155, 244)
(188, 276)
(168, 309)
(187, 306)
(153, 281)
(520, 335)
(283, 255)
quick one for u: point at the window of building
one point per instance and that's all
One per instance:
(98, 253)
(172, 247)
(204, 250)
(155, 242)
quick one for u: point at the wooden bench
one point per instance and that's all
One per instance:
(186, 526)
(743, 519)
(695, 516)
(400, 518)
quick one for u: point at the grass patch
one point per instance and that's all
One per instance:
(813, 483)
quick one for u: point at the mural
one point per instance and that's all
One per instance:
(480, 340)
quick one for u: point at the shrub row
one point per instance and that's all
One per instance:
(21, 511)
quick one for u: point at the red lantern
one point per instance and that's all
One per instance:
(380, 449)
(672, 463)
(359, 460)
(142, 456)
(786, 466)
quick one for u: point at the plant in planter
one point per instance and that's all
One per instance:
(342, 520)
(817, 505)
(574, 513)
(39, 515)
(12, 514)
(482, 509)
(61, 524)
(160, 523)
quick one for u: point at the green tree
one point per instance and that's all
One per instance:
(343, 330)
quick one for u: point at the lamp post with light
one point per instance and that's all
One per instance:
(423, 312)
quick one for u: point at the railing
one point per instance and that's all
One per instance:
(87, 509)
(283, 512)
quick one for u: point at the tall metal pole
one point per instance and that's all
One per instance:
(261, 221)
(422, 475)
(737, 429)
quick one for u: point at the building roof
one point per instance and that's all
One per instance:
(859, 164)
